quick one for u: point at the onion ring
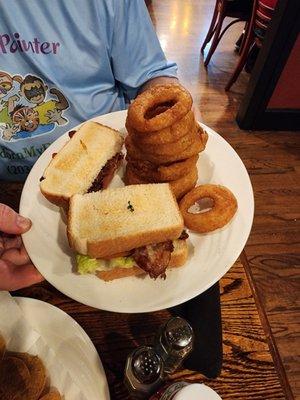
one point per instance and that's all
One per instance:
(172, 99)
(161, 173)
(183, 185)
(134, 152)
(204, 136)
(130, 178)
(222, 211)
(166, 135)
(178, 169)
(171, 148)
(179, 187)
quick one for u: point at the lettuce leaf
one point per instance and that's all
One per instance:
(121, 262)
(86, 265)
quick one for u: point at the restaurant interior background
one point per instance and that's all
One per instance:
(271, 157)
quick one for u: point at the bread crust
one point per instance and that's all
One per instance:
(62, 200)
(124, 241)
(108, 247)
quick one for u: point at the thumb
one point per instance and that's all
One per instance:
(11, 222)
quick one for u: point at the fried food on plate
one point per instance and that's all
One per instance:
(23, 377)
(14, 378)
(164, 139)
(37, 374)
(161, 173)
(179, 186)
(182, 185)
(173, 100)
(171, 148)
(223, 206)
(134, 152)
(52, 395)
(130, 178)
(166, 135)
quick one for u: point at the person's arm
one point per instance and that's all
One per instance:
(161, 80)
(16, 269)
(137, 59)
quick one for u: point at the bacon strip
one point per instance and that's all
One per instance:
(154, 259)
(106, 174)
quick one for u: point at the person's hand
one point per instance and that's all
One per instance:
(16, 269)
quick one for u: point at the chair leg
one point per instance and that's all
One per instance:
(246, 47)
(212, 27)
(245, 31)
(242, 61)
(225, 29)
(215, 40)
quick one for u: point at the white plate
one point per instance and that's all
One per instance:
(197, 391)
(71, 344)
(211, 257)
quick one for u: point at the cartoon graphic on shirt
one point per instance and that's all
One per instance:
(29, 111)
(6, 86)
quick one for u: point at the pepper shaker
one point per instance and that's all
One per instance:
(174, 342)
(144, 372)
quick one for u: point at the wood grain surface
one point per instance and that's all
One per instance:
(248, 369)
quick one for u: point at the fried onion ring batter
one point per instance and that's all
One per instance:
(161, 173)
(134, 152)
(179, 186)
(159, 107)
(166, 135)
(172, 148)
(223, 209)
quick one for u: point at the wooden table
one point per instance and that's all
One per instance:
(251, 366)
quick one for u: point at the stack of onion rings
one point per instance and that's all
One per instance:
(163, 140)
(223, 209)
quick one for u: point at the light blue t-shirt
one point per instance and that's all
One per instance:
(65, 61)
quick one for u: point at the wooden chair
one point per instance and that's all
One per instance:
(240, 10)
(258, 25)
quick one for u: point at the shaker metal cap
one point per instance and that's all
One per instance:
(179, 333)
(146, 364)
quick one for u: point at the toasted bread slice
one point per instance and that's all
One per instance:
(104, 223)
(178, 258)
(75, 167)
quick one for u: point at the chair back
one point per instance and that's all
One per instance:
(263, 16)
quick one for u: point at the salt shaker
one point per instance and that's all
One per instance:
(174, 342)
(144, 372)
